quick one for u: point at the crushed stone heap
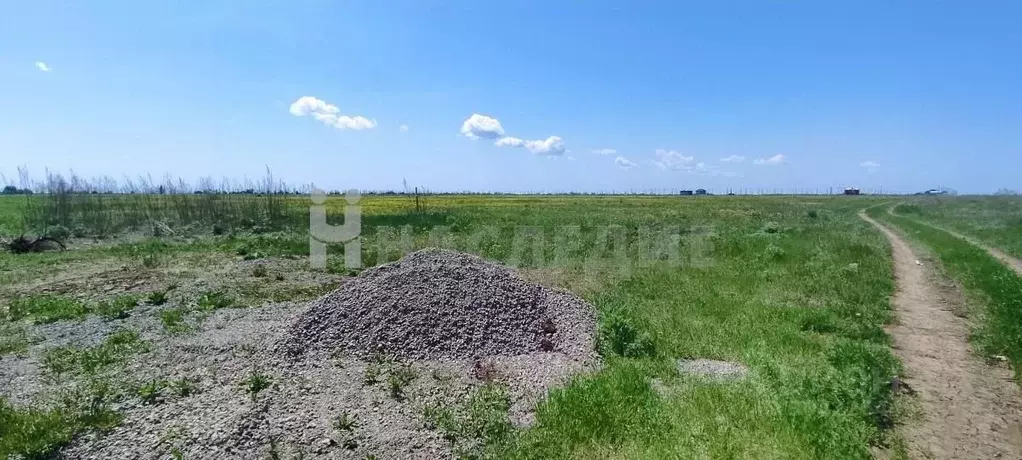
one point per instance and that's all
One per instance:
(436, 304)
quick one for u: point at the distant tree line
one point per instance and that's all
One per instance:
(12, 190)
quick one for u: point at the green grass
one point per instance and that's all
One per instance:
(116, 349)
(173, 319)
(215, 300)
(46, 308)
(49, 308)
(38, 432)
(996, 287)
(471, 425)
(14, 339)
(994, 220)
(117, 308)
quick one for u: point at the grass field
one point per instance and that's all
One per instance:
(796, 288)
(994, 220)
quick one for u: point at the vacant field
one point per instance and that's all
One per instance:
(794, 288)
(994, 220)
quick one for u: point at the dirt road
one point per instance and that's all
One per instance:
(969, 410)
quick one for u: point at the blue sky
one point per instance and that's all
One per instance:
(903, 95)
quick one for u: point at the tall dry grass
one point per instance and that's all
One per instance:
(105, 206)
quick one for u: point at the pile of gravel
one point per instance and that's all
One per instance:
(442, 304)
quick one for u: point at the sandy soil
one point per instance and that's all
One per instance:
(969, 409)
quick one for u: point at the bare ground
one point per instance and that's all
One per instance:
(969, 409)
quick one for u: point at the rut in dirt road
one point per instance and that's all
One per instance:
(1011, 262)
(969, 409)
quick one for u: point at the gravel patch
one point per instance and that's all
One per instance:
(717, 370)
(455, 320)
(442, 304)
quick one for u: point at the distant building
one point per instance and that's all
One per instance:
(851, 191)
(701, 191)
(685, 192)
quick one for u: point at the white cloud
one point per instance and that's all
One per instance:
(42, 66)
(733, 159)
(669, 159)
(774, 160)
(509, 142)
(329, 114)
(308, 104)
(552, 146)
(870, 166)
(623, 162)
(483, 126)
(604, 151)
(355, 122)
(404, 128)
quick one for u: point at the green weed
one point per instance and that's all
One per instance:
(345, 422)
(215, 300)
(116, 349)
(474, 425)
(156, 298)
(183, 387)
(619, 336)
(14, 339)
(173, 319)
(150, 392)
(256, 382)
(118, 308)
(399, 378)
(46, 308)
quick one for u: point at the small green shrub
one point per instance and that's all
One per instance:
(259, 271)
(256, 382)
(372, 374)
(345, 422)
(59, 232)
(156, 298)
(149, 254)
(150, 392)
(173, 319)
(812, 214)
(399, 378)
(183, 387)
(619, 336)
(215, 300)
